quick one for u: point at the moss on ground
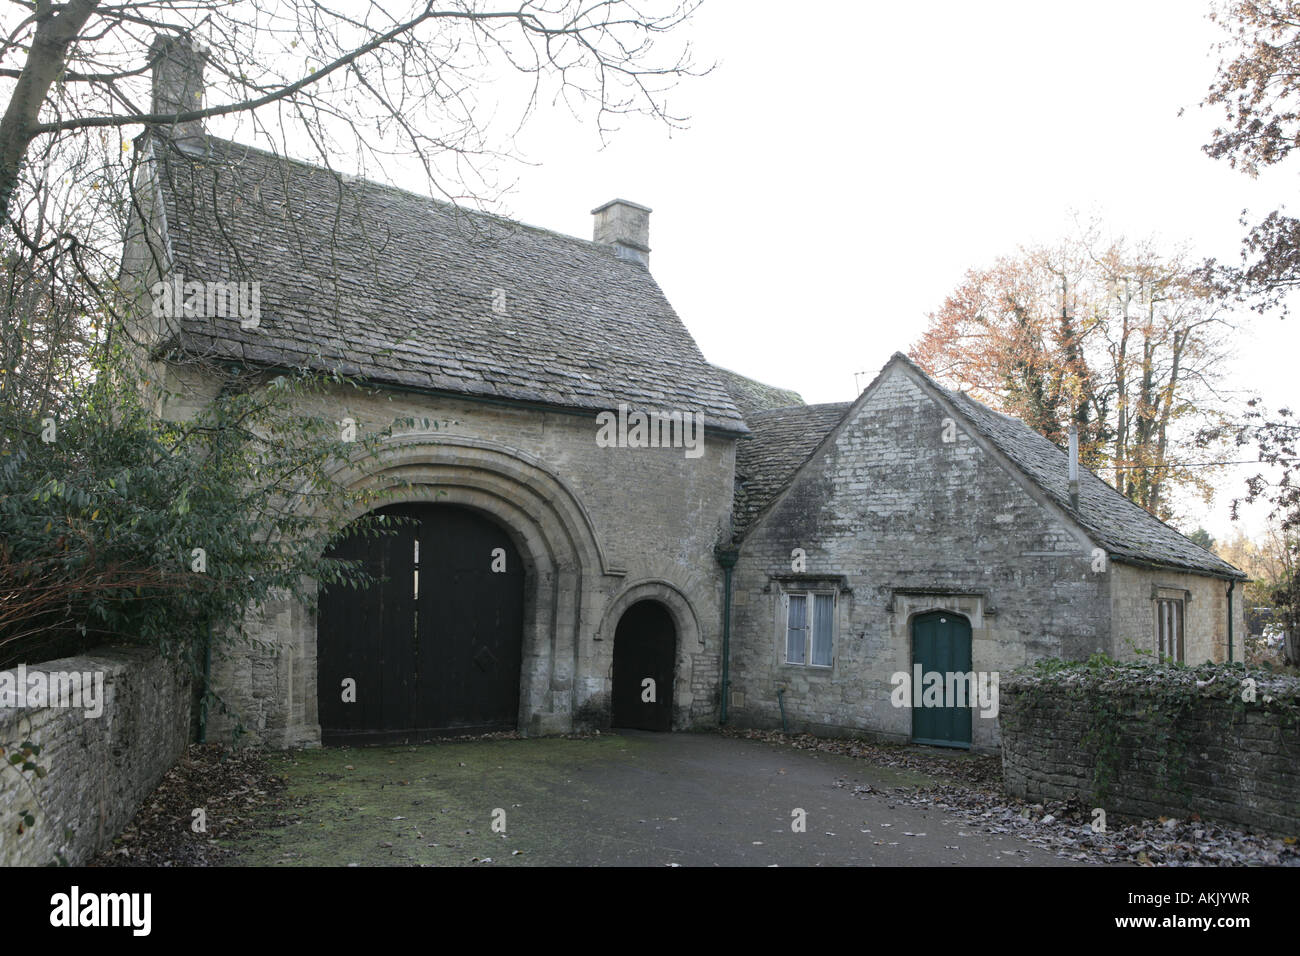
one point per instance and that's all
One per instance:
(430, 804)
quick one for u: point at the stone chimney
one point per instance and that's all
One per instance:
(178, 65)
(625, 226)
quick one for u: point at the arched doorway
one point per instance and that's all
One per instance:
(645, 655)
(433, 648)
(941, 643)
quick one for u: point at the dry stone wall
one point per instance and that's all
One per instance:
(1150, 741)
(102, 757)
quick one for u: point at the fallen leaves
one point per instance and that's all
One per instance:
(1065, 828)
(229, 784)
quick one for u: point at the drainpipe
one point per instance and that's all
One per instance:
(727, 558)
(226, 389)
(207, 682)
(1231, 584)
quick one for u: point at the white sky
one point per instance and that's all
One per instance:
(846, 163)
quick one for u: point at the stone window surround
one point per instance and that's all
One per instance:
(810, 613)
(1162, 592)
(796, 583)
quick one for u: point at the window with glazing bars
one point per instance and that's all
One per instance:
(809, 628)
(1169, 628)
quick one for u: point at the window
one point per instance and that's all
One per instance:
(1169, 628)
(809, 628)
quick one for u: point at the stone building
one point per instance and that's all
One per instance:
(595, 505)
(916, 526)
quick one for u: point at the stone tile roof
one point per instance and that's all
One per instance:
(1127, 531)
(782, 440)
(400, 289)
(751, 396)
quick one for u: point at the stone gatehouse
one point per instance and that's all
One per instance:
(778, 564)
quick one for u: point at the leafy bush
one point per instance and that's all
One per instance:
(116, 524)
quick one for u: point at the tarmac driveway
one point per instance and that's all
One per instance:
(623, 799)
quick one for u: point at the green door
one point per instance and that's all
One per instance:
(941, 644)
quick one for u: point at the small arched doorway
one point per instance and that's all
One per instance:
(645, 655)
(436, 645)
(941, 643)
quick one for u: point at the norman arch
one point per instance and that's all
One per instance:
(567, 574)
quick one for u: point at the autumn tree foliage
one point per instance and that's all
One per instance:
(1118, 340)
(1258, 88)
(1273, 437)
(997, 336)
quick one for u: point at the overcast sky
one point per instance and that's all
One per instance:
(847, 163)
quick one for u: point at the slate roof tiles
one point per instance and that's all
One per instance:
(783, 439)
(401, 289)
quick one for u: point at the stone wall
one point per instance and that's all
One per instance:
(99, 767)
(1169, 742)
(897, 521)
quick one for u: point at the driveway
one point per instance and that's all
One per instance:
(623, 799)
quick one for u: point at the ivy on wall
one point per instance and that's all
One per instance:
(1129, 712)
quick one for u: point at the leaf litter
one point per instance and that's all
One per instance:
(976, 797)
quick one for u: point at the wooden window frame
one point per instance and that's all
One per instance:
(1176, 642)
(810, 603)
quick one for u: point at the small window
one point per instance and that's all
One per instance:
(1169, 629)
(810, 628)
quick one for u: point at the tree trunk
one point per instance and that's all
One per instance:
(45, 61)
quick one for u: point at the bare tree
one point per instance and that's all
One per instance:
(386, 78)
(437, 92)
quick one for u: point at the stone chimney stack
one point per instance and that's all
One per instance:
(625, 226)
(178, 64)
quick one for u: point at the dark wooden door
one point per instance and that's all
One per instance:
(471, 622)
(645, 647)
(941, 642)
(436, 646)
